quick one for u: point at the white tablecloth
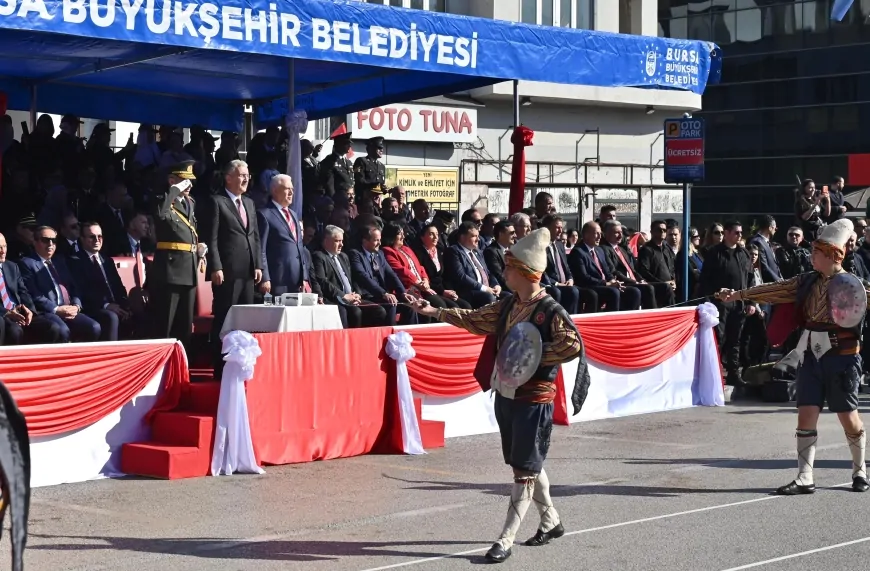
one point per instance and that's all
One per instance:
(279, 318)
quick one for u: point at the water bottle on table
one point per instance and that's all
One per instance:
(267, 299)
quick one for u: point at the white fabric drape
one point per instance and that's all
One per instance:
(710, 390)
(297, 125)
(233, 447)
(399, 349)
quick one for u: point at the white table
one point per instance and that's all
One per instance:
(280, 319)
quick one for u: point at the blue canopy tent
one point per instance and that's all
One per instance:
(187, 62)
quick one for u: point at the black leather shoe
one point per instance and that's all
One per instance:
(795, 489)
(545, 537)
(497, 554)
(860, 484)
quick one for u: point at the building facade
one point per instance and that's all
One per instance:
(592, 145)
(794, 95)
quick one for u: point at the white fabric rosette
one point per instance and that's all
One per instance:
(710, 390)
(296, 123)
(399, 349)
(233, 447)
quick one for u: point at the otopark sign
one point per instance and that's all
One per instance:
(684, 150)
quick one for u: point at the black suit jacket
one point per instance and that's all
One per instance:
(15, 287)
(584, 269)
(93, 292)
(493, 255)
(114, 231)
(327, 278)
(460, 271)
(436, 275)
(232, 247)
(615, 265)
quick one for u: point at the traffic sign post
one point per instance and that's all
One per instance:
(684, 163)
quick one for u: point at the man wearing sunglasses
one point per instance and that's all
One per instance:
(54, 291)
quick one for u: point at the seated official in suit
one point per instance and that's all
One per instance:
(465, 269)
(20, 321)
(54, 291)
(377, 281)
(430, 253)
(588, 263)
(493, 255)
(284, 269)
(404, 262)
(333, 276)
(557, 268)
(655, 264)
(620, 262)
(104, 297)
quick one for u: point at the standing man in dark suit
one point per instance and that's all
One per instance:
(769, 266)
(377, 281)
(557, 265)
(336, 170)
(465, 269)
(620, 263)
(283, 262)
(104, 296)
(504, 236)
(333, 274)
(54, 290)
(172, 277)
(235, 260)
(656, 264)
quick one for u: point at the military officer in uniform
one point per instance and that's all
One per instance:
(179, 256)
(370, 178)
(337, 168)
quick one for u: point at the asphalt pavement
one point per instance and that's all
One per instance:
(685, 490)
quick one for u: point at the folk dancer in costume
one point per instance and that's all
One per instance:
(524, 414)
(831, 365)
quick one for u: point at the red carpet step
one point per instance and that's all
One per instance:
(181, 440)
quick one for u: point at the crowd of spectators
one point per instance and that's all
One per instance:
(71, 205)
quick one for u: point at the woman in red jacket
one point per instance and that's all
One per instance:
(405, 264)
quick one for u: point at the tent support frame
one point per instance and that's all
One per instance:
(98, 65)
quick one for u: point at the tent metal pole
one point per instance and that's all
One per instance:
(516, 104)
(291, 107)
(32, 108)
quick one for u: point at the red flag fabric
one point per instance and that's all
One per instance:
(342, 129)
(521, 139)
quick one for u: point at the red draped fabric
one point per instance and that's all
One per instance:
(637, 341)
(521, 138)
(446, 356)
(60, 388)
(317, 395)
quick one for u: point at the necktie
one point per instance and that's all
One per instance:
(64, 294)
(242, 214)
(595, 259)
(290, 223)
(99, 269)
(375, 265)
(625, 263)
(4, 294)
(558, 259)
(345, 283)
(484, 277)
(120, 219)
(139, 275)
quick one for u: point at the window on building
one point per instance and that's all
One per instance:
(564, 13)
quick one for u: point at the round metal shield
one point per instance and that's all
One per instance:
(520, 355)
(848, 300)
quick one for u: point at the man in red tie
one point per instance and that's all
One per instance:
(590, 269)
(465, 268)
(234, 258)
(283, 259)
(620, 262)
